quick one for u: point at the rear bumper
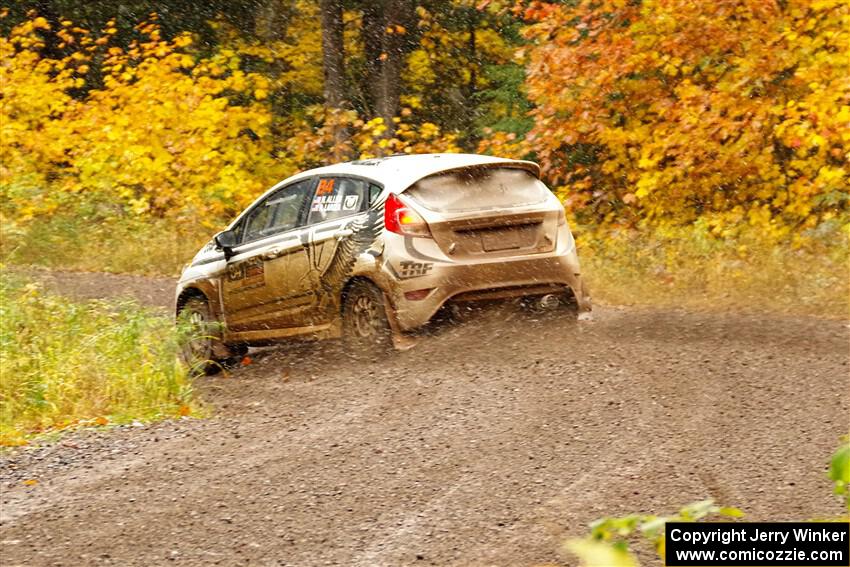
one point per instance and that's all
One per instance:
(509, 277)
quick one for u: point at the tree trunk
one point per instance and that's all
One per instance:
(333, 55)
(473, 60)
(333, 66)
(271, 18)
(372, 34)
(386, 25)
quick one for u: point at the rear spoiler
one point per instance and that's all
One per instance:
(528, 166)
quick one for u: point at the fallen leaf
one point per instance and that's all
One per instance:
(31, 482)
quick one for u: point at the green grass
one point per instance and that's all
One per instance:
(689, 268)
(121, 245)
(67, 364)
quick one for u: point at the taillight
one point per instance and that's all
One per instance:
(401, 219)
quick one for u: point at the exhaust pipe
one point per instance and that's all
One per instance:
(548, 302)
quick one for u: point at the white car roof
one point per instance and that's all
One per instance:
(399, 172)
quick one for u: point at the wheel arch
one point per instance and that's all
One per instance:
(186, 295)
(204, 288)
(350, 283)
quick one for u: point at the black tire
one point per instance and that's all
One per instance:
(366, 330)
(238, 350)
(199, 347)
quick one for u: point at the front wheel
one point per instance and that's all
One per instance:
(201, 346)
(365, 326)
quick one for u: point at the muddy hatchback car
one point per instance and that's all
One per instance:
(369, 250)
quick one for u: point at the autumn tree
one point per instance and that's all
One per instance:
(171, 132)
(386, 40)
(463, 73)
(168, 133)
(333, 67)
(174, 16)
(673, 110)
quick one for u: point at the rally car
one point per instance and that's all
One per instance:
(369, 250)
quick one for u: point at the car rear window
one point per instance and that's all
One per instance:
(477, 189)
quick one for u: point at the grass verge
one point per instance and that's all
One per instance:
(685, 267)
(65, 364)
(690, 268)
(118, 245)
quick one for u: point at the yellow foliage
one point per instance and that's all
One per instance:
(168, 134)
(600, 554)
(437, 59)
(312, 140)
(296, 59)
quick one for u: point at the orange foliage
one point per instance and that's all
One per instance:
(733, 111)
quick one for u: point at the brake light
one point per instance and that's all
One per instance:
(401, 219)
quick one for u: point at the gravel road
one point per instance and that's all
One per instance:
(487, 444)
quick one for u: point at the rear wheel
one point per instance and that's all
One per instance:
(201, 343)
(365, 326)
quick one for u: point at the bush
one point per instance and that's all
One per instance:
(168, 133)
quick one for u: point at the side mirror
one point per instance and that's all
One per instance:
(226, 240)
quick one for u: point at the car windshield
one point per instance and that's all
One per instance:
(478, 188)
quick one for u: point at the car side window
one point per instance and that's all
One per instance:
(279, 212)
(374, 191)
(338, 197)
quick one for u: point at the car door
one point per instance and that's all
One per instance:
(264, 286)
(337, 203)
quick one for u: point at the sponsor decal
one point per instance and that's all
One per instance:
(350, 202)
(327, 203)
(248, 274)
(364, 232)
(414, 269)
